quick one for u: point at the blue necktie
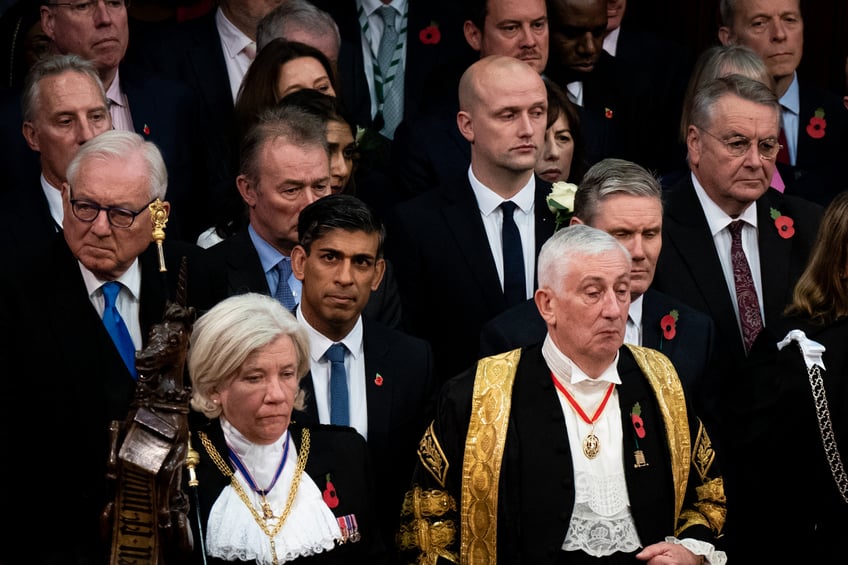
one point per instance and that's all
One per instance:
(116, 327)
(284, 292)
(339, 409)
(515, 289)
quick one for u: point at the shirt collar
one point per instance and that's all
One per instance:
(319, 343)
(791, 99)
(232, 38)
(370, 6)
(567, 371)
(717, 219)
(268, 256)
(488, 200)
(115, 95)
(131, 279)
(635, 312)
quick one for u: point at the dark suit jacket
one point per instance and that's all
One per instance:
(690, 350)
(336, 452)
(445, 270)
(232, 266)
(26, 225)
(399, 409)
(819, 171)
(534, 504)
(49, 325)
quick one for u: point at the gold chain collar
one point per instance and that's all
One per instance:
(260, 520)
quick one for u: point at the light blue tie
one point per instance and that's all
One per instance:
(116, 327)
(339, 409)
(388, 56)
(284, 292)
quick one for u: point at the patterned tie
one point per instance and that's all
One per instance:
(116, 327)
(746, 295)
(515, 288)
(389, 87)
(339, 409)
(284, 292)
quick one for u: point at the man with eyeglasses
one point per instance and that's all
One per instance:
(54, 311)
(160, 109)
(733, 247)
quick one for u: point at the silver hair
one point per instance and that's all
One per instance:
(228, 333)
(714, 90)
(613, 176)
(569, 244)
(120, 145)
(54, 65)
(295, 14)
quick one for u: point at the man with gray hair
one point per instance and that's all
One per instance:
(64, 105)
(612, 420)
(301, 21)
(625, 200)
(81, 311)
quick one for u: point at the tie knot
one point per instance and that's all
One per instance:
(110, 292)
(336, 353)
(735, 228)
(508, 207)
(284, 269)
(387, 13)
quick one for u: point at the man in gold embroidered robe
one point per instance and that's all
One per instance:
(574, 450)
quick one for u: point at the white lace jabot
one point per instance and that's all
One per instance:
(232, 533)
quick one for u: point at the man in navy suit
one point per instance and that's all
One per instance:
(52, 308)
(814, 121)
(625, 200)
(446, 244)
(64, 105)
(389, 375)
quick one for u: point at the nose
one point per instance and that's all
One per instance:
(344, 273)
(528, 38)
(275, 392)
(102, 15)
(778, 30)
(611, 306)
(85, 131)
(586, 44)
(552, 149)
(637, 250)
(526, 127)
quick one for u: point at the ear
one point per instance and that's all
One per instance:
(463, 122)
(575, 220)
(298, 261)
(379, 271)
(47, 22)
(545, 303)
(29, 134)
(845, 101)
(693, 145)
(246, 190)
(472, 33)
(725, 36)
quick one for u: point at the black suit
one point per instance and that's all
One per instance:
(400, 406)
(232, 267)
(335, 452)
(690, 350)
(819, 170)
(50, 326)
(446, 273)
(26, 225)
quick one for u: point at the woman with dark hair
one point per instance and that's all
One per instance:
(564, 155)
(788, 410)
(281, 67)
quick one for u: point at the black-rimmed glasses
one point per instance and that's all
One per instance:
(87, 211)
(739, 145)
(88, 8)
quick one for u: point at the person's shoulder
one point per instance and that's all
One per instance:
(788, 204)
(375, 329)
(331, 437)
(665, 301)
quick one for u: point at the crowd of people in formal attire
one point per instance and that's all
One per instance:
(475, 282)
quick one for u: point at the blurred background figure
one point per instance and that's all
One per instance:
(271, 490)
(301, 21)
(564, 155)
(24, 42)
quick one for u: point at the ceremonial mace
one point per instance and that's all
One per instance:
(192, 459)
(159, 217)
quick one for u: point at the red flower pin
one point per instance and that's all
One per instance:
(668, 323)
(784, 224)
(430, 35)
(636, 418)
(330, 496)
(146, 129)
(815, 128)
(608, 113)
(378, 380)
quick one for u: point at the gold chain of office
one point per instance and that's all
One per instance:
(260, 520)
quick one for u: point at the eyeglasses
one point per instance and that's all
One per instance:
(87, 211)
(739, 145)
(88, 8)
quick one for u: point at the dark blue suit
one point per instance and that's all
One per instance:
(400, 405)
(445, 270)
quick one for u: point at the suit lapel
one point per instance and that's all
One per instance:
(775, 254)
(377, 390)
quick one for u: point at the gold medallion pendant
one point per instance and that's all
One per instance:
(591, 446)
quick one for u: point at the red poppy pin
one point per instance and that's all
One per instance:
(146, 129)
(430, 35)
(608, 113)
(378, 380)
(639, 430)
(668, 324)
(330, 496)
(784, 224)
(815, 128)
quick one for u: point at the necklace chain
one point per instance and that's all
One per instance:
(591, 444)
(260, 520)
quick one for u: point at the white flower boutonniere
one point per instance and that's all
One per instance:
(561, 202)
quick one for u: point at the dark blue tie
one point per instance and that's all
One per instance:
(339, 409)
(515, 289)
(116, 327)
(284, 292)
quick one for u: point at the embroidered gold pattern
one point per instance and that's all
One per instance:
(432, 456)
(431, 537)
(704, 455)
(484, 446)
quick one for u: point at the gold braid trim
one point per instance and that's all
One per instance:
(669, 393)
(431, 537)
(432, 456)
(481, 466)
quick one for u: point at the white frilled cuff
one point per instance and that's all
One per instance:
(812, 350)
(705, 549)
